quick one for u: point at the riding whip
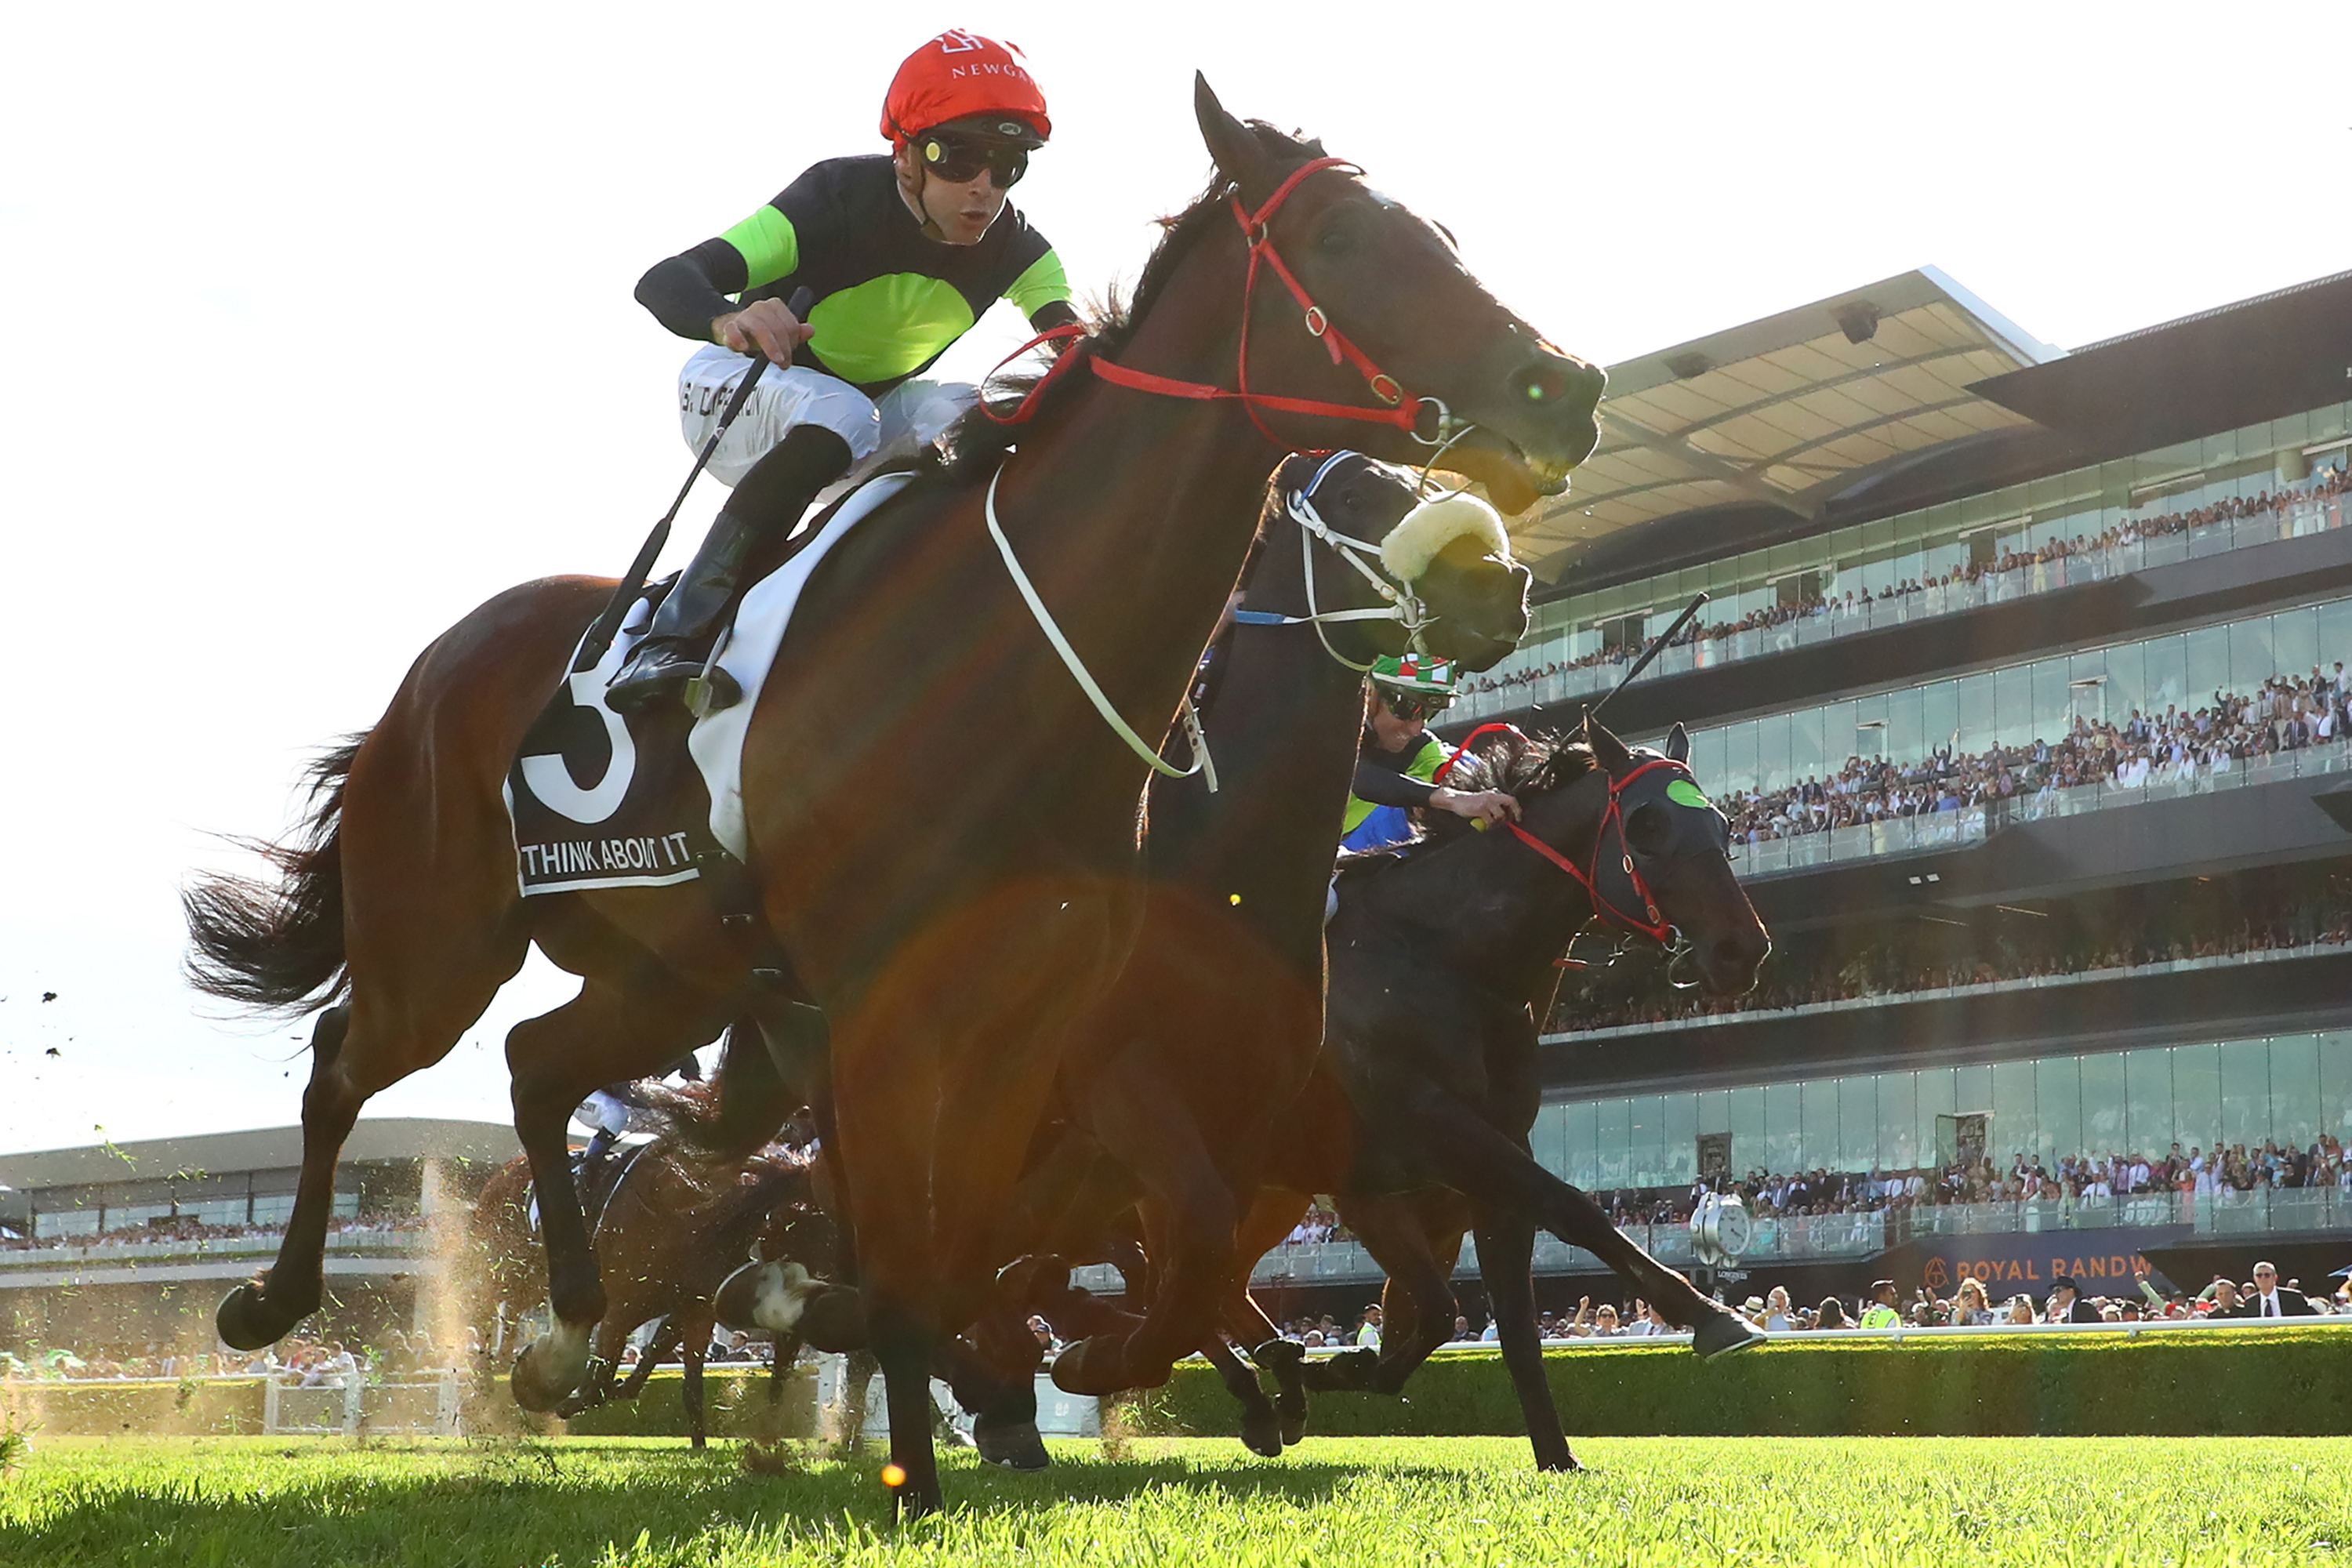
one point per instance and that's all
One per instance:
(1657, 647)
(607, 624)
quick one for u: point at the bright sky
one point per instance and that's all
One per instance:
(317, 329)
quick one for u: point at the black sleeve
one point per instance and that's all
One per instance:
(1058, 313)
(1386, 787)
(687, 291)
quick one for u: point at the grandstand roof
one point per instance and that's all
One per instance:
(1789, 410)
(262, 1149)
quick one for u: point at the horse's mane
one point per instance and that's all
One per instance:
(1515, 764)
(975, 443)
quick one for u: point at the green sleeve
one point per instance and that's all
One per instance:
(769, 245)
(1040, 285)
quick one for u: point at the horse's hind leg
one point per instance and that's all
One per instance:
(258, 1312)
(1506, 1255)
(1500, 1176)
(358, 1049)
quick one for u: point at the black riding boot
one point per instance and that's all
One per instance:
(764, 511)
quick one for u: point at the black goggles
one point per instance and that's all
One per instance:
(1410, 705)
(958, 160)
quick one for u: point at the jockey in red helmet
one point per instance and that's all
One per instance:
(886, 261)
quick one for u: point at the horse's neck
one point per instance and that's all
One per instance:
(1146, 573)
(1283, 730)
(1501, 911)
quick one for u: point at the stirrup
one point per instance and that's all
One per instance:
(651, 676)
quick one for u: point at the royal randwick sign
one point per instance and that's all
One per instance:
(2010, 1262)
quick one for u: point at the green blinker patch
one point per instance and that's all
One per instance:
(1681, 791)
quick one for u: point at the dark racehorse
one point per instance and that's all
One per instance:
(1436, 953)
(672, 1228)
(951, 907)
(1176, 1086)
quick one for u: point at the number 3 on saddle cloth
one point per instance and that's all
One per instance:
(603, 800)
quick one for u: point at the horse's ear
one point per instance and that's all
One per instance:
(1607, 749)
(1678, 744)
(1237, 153)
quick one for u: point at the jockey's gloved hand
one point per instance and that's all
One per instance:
(1481, 805)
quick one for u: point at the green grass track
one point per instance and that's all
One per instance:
(1951, 1502)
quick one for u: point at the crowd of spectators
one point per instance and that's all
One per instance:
(1812, 605)
(2287, 713)
(186, 1227)
(1899, 963)
(2228, 1172)
(1882, 1306)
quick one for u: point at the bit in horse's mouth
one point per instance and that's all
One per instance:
(1512, 479)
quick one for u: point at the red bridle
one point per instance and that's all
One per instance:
(1398, 410)
(1656, 929)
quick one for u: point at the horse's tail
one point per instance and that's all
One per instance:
(279, 947)
(741, 1113)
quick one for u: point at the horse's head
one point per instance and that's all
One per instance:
(1356, 293)
(1371, 542)
(1678, 846)
(1631, 824)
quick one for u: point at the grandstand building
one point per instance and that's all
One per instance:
(2019, 679)
(124, 1246)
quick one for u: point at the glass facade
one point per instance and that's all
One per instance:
(2287, 1089)
(2018, 704)
(1932, 540)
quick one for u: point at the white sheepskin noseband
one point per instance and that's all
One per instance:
(1433, 525)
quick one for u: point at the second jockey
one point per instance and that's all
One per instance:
(1398, 757)
(897, 256)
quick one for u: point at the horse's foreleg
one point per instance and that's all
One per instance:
(1261, 1427)
(1505, 1255)
(696, 1434)
(556, 1059)
(1417, 1305)
(665, 1340)
(994, 1377)
(1194, 1219)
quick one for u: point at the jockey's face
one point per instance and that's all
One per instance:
(958, 213)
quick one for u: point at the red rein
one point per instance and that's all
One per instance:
(1656, 929)
(1397, 411)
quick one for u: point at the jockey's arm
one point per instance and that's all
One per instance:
(1386, 787)
(690, 292)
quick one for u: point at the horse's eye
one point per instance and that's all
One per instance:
(1647, 828)
(1336, 240)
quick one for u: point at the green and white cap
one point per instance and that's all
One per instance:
(1416, 672)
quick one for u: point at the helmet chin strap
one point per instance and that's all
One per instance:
(914, 198)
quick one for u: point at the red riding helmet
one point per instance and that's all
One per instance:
(961, 77)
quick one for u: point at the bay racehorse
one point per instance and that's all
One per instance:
(950, 902)
(1174, 1083)
(1441, 957)
(674, 1224)
(1176, 1087)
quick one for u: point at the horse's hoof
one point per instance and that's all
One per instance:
(1277, 1356)
(537, 1387)
(245, 1320)
(1262, 1435)
(1723, 1333)
(769, 1296)
(1564, 1463)
(1014, 1445)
